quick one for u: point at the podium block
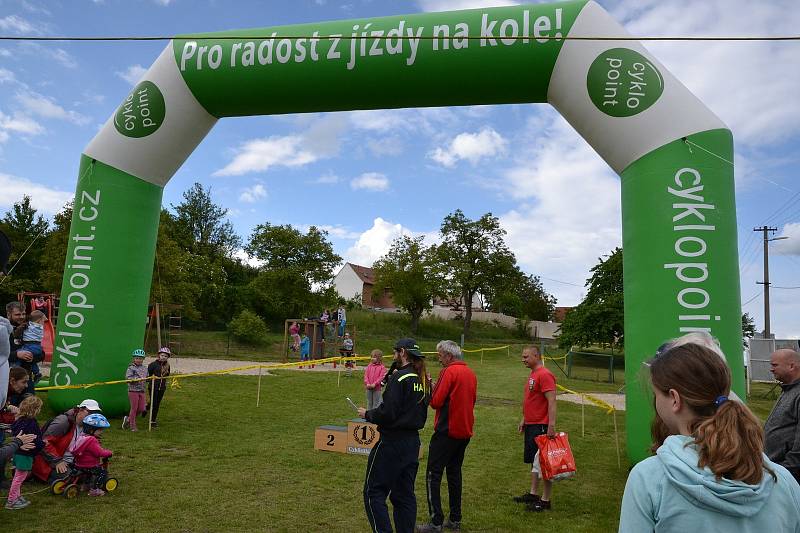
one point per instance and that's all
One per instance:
(331, 439)
(361, 436)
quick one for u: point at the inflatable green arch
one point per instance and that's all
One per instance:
(673, 154)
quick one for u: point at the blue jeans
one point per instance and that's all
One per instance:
(341, 327)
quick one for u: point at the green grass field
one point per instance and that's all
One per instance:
(218, 463)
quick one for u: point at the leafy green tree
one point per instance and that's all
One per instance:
(201, 227)
(748, 328)
(599, 318)
(248, 327)
(472, 256)
(27, 230)
(520, 295)
(283, 247)
(408, 270)
(294, 279)
(55, 251)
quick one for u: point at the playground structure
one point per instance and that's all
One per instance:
(172, 333)
(322, 334)
(675, 158)
(28, 299)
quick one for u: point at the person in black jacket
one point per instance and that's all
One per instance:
(159, 368)
(393, 462)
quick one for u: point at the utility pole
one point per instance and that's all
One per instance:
(765, 230)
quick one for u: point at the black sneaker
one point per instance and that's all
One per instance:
(449, 525)
(539, 506)
(527, 498)
(429, 527)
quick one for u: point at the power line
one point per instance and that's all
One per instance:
(559, 281)
(756, 295)
(65, 38)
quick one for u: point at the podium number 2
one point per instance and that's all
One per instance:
(330, 439)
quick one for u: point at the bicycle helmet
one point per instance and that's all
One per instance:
(138, 352)
(96, 420)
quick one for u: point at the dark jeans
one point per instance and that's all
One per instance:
(391, 471)
(444, 453)
(157, 397)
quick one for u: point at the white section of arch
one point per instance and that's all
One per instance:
(620, 140)
(158, 156)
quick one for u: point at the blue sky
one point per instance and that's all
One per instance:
(370, 176)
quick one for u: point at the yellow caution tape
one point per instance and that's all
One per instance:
(597, 401)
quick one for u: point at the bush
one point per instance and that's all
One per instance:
(248, 327)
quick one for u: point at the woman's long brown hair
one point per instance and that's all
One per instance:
(729, 438)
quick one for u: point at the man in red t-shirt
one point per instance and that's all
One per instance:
(538, 418)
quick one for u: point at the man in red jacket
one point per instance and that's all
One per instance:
(454, 401)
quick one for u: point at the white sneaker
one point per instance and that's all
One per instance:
(125, 423)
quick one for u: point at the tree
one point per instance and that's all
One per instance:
(599, 318)
(748, 328)
(284, 247)
(472, 256)
(55, 251)
(520, 295)
(295, 277)
(408, 270)
(200, 225)
(27, 231)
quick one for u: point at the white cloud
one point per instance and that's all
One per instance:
(391, 145)
(452, 5)
(63, 57)
(163, 2)
(17, 24)
(327, 179)
(751, 86)
(570, 206)
(45, 107)
(5, 53)
(471, 147)
(132, 74)
(247, 259)
(370, 181)
(375, 242)
(6, 75)
(790, 246)
(253, 194)
(320, 140)
(258, 155)
(43, 198)
(340, 232)
(20, 123)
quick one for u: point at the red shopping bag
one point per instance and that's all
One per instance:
(555, 457)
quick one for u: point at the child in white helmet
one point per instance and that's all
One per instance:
(136, 374)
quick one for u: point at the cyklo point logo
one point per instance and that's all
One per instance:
(142, 112)
(622, 82)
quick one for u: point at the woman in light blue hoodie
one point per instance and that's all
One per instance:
(709, 473)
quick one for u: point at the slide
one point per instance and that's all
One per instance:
(47, 341)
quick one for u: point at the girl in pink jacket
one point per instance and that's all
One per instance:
(89, 454)
(373, 375)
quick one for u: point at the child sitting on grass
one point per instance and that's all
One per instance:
(373, 376)
(23, 459)
(89, 454)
